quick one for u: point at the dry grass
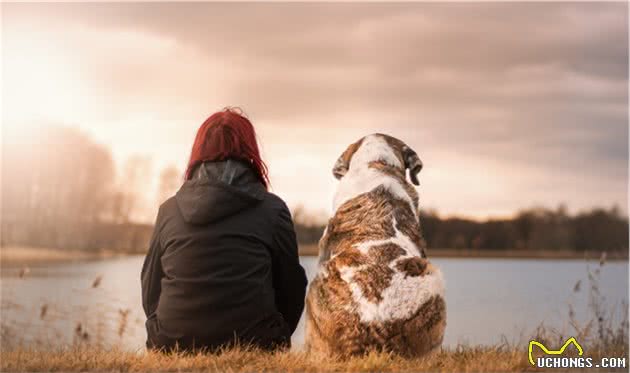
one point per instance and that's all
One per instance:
(82, 359)
(462, 359)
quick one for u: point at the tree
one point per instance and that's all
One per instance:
(170, 180)
(132, 188)
(55, 186)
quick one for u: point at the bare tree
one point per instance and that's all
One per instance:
(132, 188)
(55, 185)
(170, 180)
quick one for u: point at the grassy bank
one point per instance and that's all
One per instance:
(75, 360)
(464, 359)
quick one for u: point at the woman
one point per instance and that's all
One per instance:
(223, 265)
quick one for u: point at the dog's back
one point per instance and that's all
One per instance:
(375, 289)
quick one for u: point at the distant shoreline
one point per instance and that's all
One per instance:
(17, 256)
(311, 250)
(518, 254)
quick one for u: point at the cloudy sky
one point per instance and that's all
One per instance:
(509, 105)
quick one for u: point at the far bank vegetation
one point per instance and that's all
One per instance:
(64, 191)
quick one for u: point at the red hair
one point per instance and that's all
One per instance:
(227, 134)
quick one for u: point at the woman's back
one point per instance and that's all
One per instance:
(223, 263)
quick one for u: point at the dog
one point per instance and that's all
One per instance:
(375, 288)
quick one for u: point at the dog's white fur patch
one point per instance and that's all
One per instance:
(361, 179)
(374, 148)
(402, 298)
(405, 294)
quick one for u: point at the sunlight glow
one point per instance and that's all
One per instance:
(42, 82)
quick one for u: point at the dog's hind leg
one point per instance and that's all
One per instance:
(425, 331)
(314, 341)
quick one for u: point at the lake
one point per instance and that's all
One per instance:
(488, 300)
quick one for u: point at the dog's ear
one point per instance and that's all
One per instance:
(343, 162)
(340, 168)
(413, 163)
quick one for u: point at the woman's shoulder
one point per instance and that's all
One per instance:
(278, 211)
(167, 205)
(271, 205)
(274, 202)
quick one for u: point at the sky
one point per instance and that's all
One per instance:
(509, 105)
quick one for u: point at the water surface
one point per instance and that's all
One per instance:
(488, 300)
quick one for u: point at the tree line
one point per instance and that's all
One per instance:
(532, 229)
(60, 189)
(540, 229)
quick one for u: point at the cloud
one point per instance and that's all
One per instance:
(519, 94)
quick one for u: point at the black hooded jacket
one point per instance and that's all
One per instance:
(223, 262)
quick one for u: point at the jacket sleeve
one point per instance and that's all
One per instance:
(289, 279)
(152, 273)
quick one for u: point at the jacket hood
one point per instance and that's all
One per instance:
(218, 190)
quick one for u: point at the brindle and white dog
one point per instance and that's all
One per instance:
(375, 289)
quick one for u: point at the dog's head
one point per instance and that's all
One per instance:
(379, 147)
